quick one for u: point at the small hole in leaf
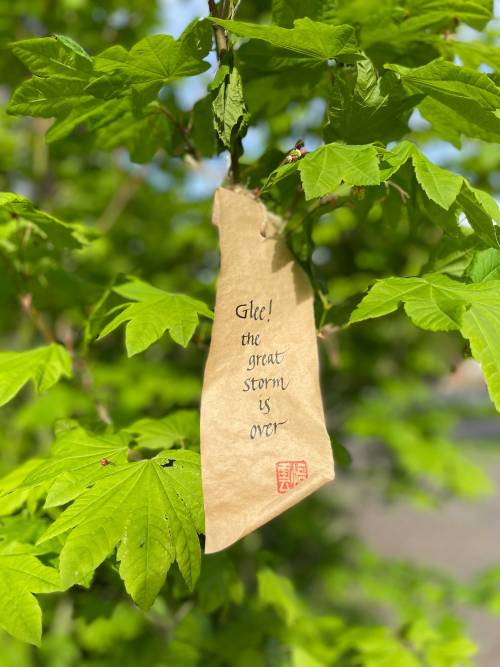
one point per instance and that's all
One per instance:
(169, 463)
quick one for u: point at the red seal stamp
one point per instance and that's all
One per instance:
(289, 474)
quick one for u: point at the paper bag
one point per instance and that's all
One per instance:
(264, 445)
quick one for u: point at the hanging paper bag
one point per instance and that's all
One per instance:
(264, 445)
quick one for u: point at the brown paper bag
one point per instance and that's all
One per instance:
(264, 445)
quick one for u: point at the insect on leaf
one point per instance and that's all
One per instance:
(76, 462)
(152, 510)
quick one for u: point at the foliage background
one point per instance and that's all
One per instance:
(407, 403)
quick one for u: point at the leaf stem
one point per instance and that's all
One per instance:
(183, 131)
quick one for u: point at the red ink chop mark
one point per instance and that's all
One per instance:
(289, 474)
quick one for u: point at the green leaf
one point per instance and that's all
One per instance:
(278, 592)
(470, 120)
(57, 54)
(418, 443)
(25, 528)
(12, 497)
(286, 11)
(174, 429)
(376, 646)
(152, 63)
(152, 509)
(364, 107)
(229, 109)
(430, 301)
(89, 109)
(142, 131)
(195, 44)
(451, 84)
(76, 461)
(60, 234)
(438, 303)
(460, 98)
(445, 189)
(485, 266)
(111, 58)
(66, 72)
(261, 63)
(74, 88)
(341, 454)
(48, 97)
(475, 54)
(323, 170)
(453, 255)
(63, 73)
(44, 366)
(481, 326)
(314, 42)
(301, 657)
(475, 13)
(452, 650)
(162, 59)
(219, 583)
(22, 575)
(440, 185)
(154, 313)
(481, 210)
(387, 37)
(280, 173)
(100, 635)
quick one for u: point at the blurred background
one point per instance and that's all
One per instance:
(409, 529)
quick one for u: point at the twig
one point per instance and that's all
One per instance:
(235, 9)
(222, 47)
(26, 301)
(87, 384)
(402, 193)
(67, 335)
(120, 200)
(235, 163)
(183, 131)
(26, 298)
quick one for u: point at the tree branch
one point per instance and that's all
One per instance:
(26, 301)
(222, 47)
(220, 36)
